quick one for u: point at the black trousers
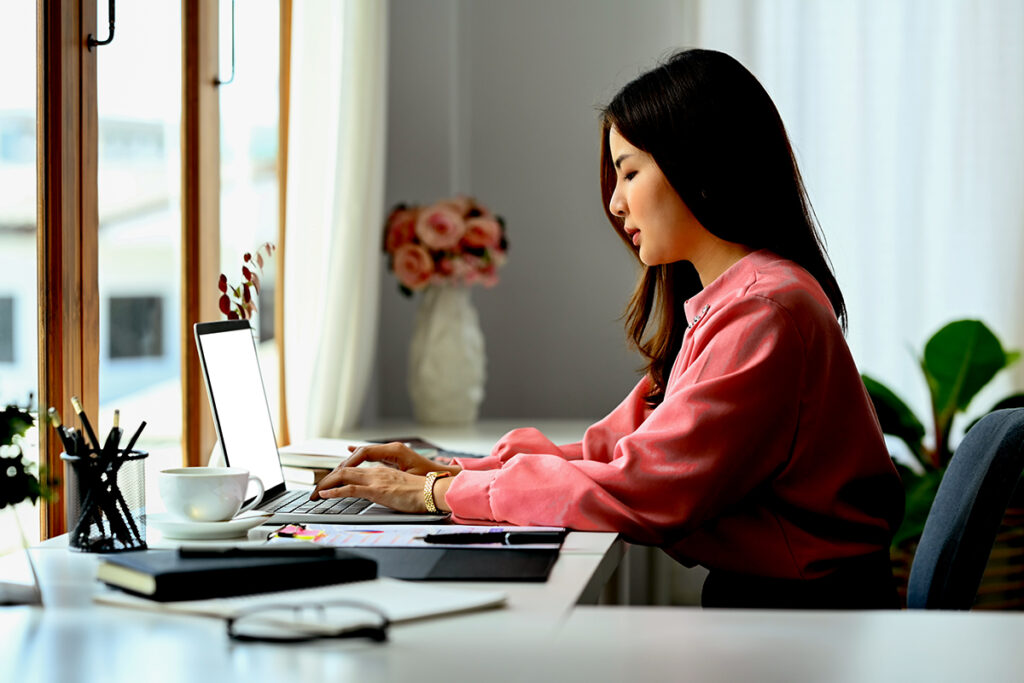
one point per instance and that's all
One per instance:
(860, 583)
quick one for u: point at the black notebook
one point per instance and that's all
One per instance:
(165, 576)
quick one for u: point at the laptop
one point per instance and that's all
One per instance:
(241, 415)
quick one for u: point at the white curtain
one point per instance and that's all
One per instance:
(908, 122)
(334, 210)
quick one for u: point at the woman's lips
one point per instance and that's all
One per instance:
(636, 238)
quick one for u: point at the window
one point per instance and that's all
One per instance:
(138, 98)
(249, 149)
(18, 323)
(6, 329)
(129, 136)
(136, 327)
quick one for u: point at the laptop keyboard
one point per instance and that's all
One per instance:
(298, 502)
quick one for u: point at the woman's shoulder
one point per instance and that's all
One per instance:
(786, 284)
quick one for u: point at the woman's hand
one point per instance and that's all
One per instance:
(399, 490)
(398, 456)
(399, 485)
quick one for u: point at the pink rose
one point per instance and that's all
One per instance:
(438, 227)
(447, 266)
(401, 229)
(489, 275)
(413, 266)
(460, 205)
(482, 232)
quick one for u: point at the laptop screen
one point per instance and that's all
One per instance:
(239, 402)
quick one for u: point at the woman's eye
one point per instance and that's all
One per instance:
(630, 175)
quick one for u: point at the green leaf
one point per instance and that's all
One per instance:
(894, 416)
(920, 490)
(13, 422)
(958, 361)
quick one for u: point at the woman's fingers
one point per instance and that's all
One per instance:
(392, 488)
(346, 491)
(339, 476)
(359, 454)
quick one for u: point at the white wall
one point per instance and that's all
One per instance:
(499, 100)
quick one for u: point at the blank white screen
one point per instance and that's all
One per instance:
(240, 404)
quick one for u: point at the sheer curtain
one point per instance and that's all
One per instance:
(334, 210)
(908, 123)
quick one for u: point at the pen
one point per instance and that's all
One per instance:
(271, 550)
(503, 537)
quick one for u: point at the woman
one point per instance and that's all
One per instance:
(750, 445)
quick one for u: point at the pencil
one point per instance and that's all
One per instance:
(86, 425)
(135, 437)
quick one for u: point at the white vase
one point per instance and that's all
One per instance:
(446, 358)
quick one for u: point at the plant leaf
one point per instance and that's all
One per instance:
(920, 490)
(13, 422)
(894, 416)
(958, 361)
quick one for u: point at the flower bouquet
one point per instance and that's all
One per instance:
(454, 241)
(442, 248)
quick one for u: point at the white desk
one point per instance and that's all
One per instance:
(543, 634)
(74, 639)
(526, 642)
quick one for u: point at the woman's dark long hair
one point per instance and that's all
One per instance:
(716, 135)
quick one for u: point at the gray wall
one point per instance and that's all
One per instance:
(498, 99)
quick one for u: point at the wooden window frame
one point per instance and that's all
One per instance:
(200, 215)
(68, 220)
(284, 92)
(67, 223)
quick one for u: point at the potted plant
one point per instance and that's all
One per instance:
(958, 361)
(17, 484)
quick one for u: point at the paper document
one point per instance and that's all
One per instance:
(318, 453)
(399, 600)
(329, 453)
(399, 535)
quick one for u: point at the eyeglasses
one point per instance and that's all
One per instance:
(300, 623)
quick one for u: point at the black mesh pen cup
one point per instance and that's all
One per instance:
(106, 501)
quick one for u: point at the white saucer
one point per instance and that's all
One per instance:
(175, 527)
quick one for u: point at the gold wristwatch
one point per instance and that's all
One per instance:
(428, 488)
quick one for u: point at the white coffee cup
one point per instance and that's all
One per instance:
(207, 494)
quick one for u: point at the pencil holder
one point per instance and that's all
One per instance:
(106, 501)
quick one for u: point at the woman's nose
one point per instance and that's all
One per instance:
(616, 204)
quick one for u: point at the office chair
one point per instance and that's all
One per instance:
(964, 518)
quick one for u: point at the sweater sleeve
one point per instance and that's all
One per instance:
(727, 422)
(599, 441)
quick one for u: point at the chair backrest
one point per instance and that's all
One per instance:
(969, 505)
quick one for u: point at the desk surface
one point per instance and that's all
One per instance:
(590, 644)
(74, 639)
(543, 633)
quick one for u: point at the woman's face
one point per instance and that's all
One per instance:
(654, 217)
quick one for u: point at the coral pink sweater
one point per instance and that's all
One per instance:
(765, 456)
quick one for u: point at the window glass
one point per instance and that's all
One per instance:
(139, 165)
(136, 327)
(18, 323)
(249, 144)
